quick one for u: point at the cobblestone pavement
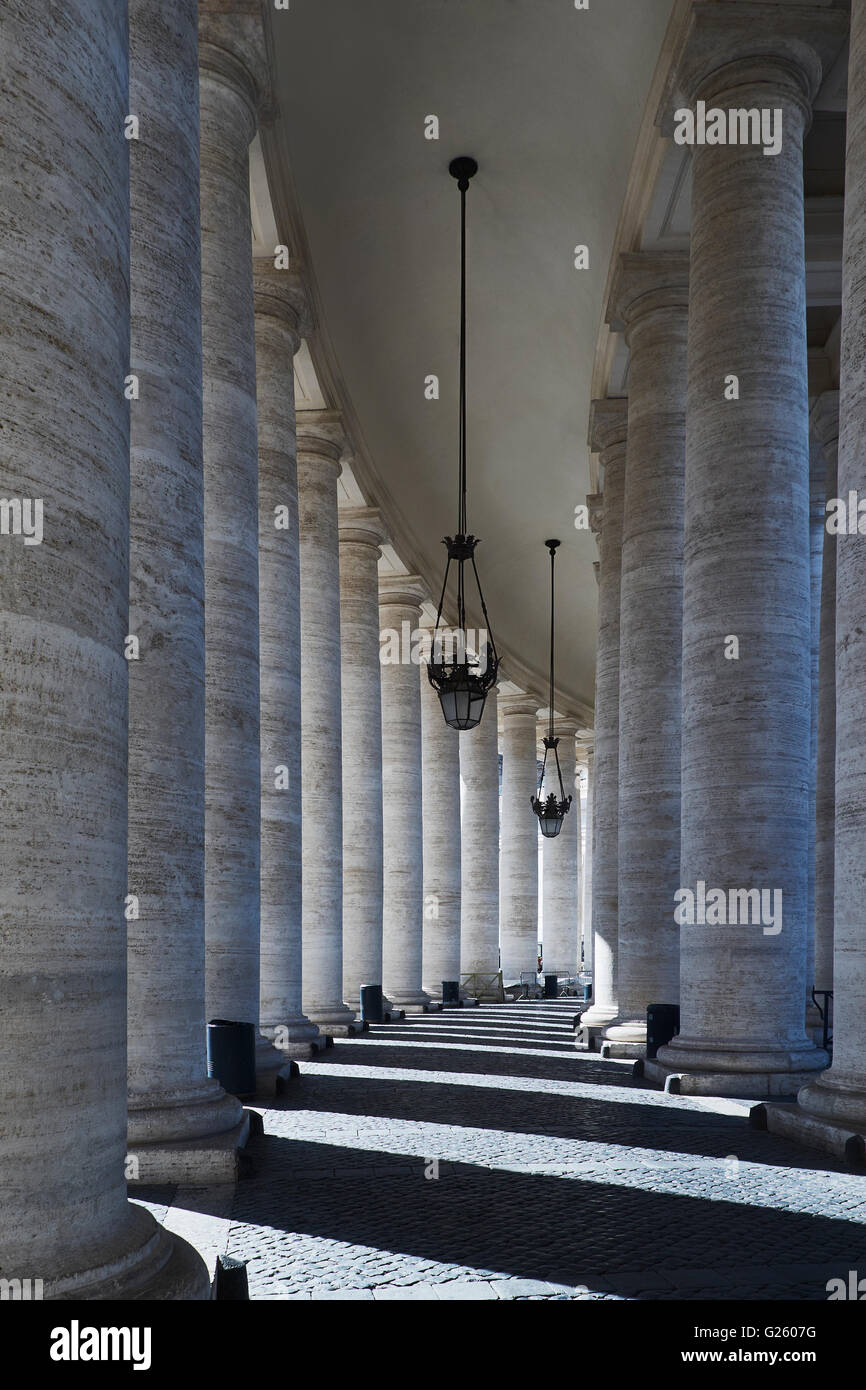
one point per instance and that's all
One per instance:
(477, 1154)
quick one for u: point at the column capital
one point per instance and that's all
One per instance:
(282, 294)
(232, 49)
(595, 502)
(726, 45)
(321, 436)
(608, 425)
(402, 591)
(646, 282)
(526, 706)
(362, 526)
(824, 418)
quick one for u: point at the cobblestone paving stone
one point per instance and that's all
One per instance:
(477, 1154)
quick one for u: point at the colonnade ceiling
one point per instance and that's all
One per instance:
(549, 99)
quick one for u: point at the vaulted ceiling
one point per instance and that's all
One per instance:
(549, 99)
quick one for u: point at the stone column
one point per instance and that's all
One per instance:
(746, 699)
(825, 425)
(518, 860)
(280, 307)
(586, 758)
(649, 301)
(608, 433)
(64, 605)
(836, 1103)
(400, 599)
(440, 803)
(560, 877)
(320, 447)
(817, 518)
(180, 1122)
(362, 532)
(231, 58)
(479, 845)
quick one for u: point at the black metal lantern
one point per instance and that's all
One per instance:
(551, 812)
(462, 685)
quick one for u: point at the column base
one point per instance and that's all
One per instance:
(273, 1072)
(147, 1263)
(336, 1019)
(629, 1051)
(599, 1016)
(190, 1136)
(695, 1067)
(414, 1002)
(190, 1163)
(295, 1037)
(792, 1122)
(625, 1039)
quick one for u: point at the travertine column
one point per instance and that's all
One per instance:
(518, 860)
(825, 425)
(231, 52)
(280, 307)
(320, 446)
(560, 876)
(440, 802)
(838, 1099)
(479, 844)
(362, 532)
(608, 432)
(746, 699)
(649, 300)
(171, 1099)
(586, 758)
(817, 518)
(64, 598)
(400, 599)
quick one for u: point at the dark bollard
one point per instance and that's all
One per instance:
(450, 991)
(231, 1056)
(550, 987)
(662, 1024)
(231, 1284)
(371, 1004)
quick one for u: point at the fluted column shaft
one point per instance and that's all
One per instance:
(817, 517)
(64, 605)
(745, 758)
(650, 300)
(825, 423)
(170, 1096)
(362, 532)
(320, 448)
(608, 433)
(279, 307)
(518, 861)
(840, 1095)
(479, 844)
(560, 878)
(403, 904)
(440, 803)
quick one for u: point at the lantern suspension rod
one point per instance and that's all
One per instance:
(552, 547)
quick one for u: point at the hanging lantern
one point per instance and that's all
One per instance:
(551, 811)
(462, 684)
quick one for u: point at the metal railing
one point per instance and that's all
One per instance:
(483, 986)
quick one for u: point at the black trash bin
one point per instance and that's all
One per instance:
(371, 1004)
(450, 991)
(231, 1055)
(662, 1024)
(551, 983)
